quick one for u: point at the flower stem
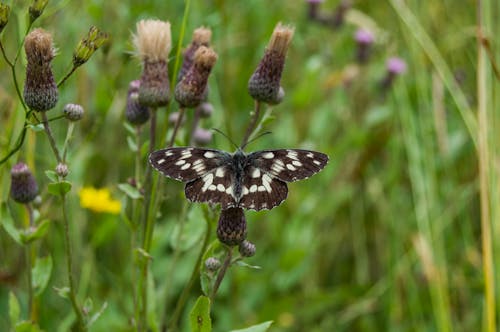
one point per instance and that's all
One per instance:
(68, 74)
(222, 273)
(253, 123)
(29, 263)
(50, 137)
(177, 126)
(69, 134)
(194, 125)
(80, 325)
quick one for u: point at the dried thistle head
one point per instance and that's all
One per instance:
(264, 84)
(135, 113)
(153, 42)
(40, 89)
(201, 37)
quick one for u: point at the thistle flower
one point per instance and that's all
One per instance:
(232, 226)
(153, 42)
(313, 9)
(88, 45)
(395, 66)
(23, 188)
(73, 112)
(202, 136)
(205, 109)
(246, 249)
(364, 40)
(40, 89)
(36, 9)
(135, 113)
(201, 37)
(264, 84)
(212, 264)
(4, 15)
(191, 89)
(338, 17)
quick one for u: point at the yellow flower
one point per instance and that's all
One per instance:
(99, 200)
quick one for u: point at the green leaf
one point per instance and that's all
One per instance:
(262, 327)
(59, 188)
(8, 224)
(192, 230)
(88, 305)
(243, 264)
(199, 317)
(205, 278)
(41, 274)
(130, 191)
(98, 314)
(131, 129)
(131, 144)
(34, 233)
(63, 292)
(27, 326)
(14, 309)
(52, 175)
(35, 128)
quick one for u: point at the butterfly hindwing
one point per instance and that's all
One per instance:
(213, 187)
(261, 190)
(289, 164)
(187, 164)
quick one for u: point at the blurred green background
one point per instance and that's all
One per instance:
(386, 238)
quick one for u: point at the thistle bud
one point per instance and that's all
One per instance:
(205, 110)
(339, 14)
(313, 9)
(247, 249)
(153, 42)
(40, 89)
(191, 89)
(88, 45)
(202, 136)
(264, 85)
(36, 9)
(212, 264)
(4, 15)
(62, 170)
(135, 113)
(395, 67)
(73, 112)
(174, 117)
(364, 40)
(201, 37)
(23, 188)
(232, 226)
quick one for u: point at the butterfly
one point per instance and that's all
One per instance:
(255, 181)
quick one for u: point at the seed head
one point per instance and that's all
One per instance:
(135, 113)
(191, 90)
(264, 84)
(40, 89)
(4, 15)
(232, 226)
(247, 249)
(36, 9)
(153, 42)
(88, 45)
(23, 188)
(201, 37)
(73, 112)
(202, 136)
(212, 264)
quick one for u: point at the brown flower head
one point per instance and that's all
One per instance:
(135, 113)
(232, 226)
(201, 37)
(23, 188)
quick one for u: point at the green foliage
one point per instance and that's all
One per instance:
(199, 317)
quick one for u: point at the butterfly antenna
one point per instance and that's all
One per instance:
(255, 138)
(230, 140)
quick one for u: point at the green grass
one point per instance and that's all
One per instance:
(398, 233)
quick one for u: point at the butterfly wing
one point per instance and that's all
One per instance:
(206, 171)
(289, 164)
(261, 190)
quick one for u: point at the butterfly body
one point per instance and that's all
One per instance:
(253, 181)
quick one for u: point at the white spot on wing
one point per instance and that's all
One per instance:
(229, 191)
(253, 188)
(180, 162)
(266, 180)
(168, 153)
(317, 162)
(292, 154)
(212, 187)
(296, 163)
(310, 155)
(221, 188)
(219, 172)
(186, 166)
(290, 167)
(268, 155)
(255, 173)
(244, 191)
(262, 188)
(209, 154)
(161, 161)
(207, 179)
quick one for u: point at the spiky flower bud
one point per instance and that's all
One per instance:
(23, 188)
(153, 42)
(202, 136)
(201, 37)
(62, 170)
(212, 264)
(232, 226)
(36, 9)
(73, 112)
(247, 249)
(339, 13)
(135, 113)
(205, 109)
(364, 39)
(4, 15)
(395, 67)
(88, 45)
(40, 89)
(190, 91)
(264, 84)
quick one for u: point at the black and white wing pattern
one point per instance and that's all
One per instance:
(264, 181)
(206, 171)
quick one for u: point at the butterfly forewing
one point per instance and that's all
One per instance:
(187, 164)
(289, 164)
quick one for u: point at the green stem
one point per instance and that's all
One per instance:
(69, 134)
(222, 273)
(29, 264)
(12, 66)
(50, 137)
(80, 325)
(253, 123)
(177, 126)
(68, 74)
